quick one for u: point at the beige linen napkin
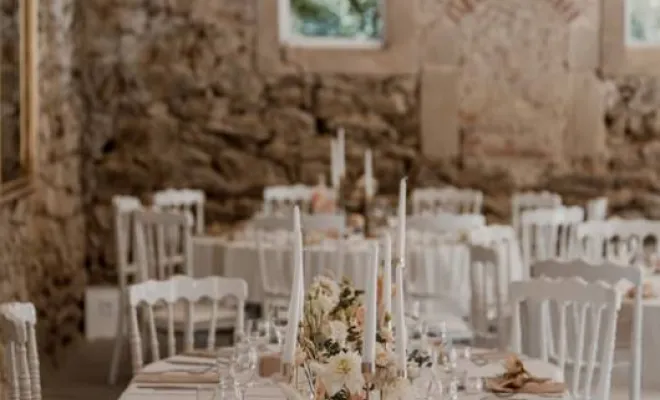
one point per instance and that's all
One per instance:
(648, 292)
(516, 379)
(177, 377)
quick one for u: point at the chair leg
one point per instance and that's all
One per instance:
(120, 338)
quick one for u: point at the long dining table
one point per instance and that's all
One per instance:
(194, 377)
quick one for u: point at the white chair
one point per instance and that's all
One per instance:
(612, 274)
(503, 239)
(271, 222)
(531, 201)
(617, 240)
(127, 269)
(282, 199)
(597, 209)
(445, 223)
(184, 200)
(574, 300)
(274, 250)
(549, 233)
(488, 296)
(17, 324)
(170, 292)
(434, 260)
(158, 254)
(447, 200)
(335, 223)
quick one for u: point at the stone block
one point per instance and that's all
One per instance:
(584, 50)
(585, 131)
(613, 46)
(439, 112)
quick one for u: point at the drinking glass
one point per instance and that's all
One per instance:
(243, 367)
(258, 332)
(450, 360)
(279, 322)
(472, 384)
(451, 389)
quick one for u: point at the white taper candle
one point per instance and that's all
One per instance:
(371, 311)
(297, 295)
(368, 174)
(401, 335)
(334, 163)
(402, 220)
(342, 152)
(387, 276)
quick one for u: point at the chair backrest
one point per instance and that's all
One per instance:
(184, 200)
(504, 239)
(274, 258)
(617, 240)
(531, 201)
(17, 324)
(488, 293)
(446, 200)
(445, 223)
(549, 233)
(434, 260)
(574, 300)
(164, 243)
(282, 199)
(169, 292)
(125, 248)
(597, 209)
(612, 274)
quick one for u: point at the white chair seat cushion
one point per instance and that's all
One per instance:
(226, 316)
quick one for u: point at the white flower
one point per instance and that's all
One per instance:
(322, 305)
(342, 371)
(327, 286)
(337, 331)
(399, 389)
(413, 370)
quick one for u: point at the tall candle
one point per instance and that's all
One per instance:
(334, 163)
(371, 312)
(342, 152)
(402, 220)
(401, 339)
(387, 276)
(368, 174)
(297, 295)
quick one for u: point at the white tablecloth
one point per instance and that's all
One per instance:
(238, 259)
(265, 390)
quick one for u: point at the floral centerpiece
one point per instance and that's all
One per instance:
(330, 341)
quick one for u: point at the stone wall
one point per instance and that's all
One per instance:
(174, 98)
(42, 244)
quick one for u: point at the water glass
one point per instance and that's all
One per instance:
(258, 332)
(279, 323)
(450, 360)
(243, 367)
(473, 384)
(451, 389)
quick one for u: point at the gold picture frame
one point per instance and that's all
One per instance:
(28, 102)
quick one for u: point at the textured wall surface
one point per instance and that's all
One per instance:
(42, 248)
(173, 97)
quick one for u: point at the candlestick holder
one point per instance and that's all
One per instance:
(288, 371)
(368, 373)
(400, 263)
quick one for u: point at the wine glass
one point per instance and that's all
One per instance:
(243, 367)
(258, 332)
(279, 322)
(450, 360)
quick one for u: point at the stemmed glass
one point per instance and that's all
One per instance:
(279, 322)
(243, 367)
(258, 332)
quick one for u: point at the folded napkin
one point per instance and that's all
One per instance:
(648, 292)
(223, 352)
(269, 364)
(517, 379)
(177, 377)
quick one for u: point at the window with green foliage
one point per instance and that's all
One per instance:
(332, 22)
(642, 22)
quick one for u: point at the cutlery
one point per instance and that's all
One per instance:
(167, 387)
(193, 362)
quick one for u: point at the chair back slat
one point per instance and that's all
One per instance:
(531, 201)
(17, 324)
(186, 201)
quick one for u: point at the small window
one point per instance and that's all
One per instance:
(332, 23)
(642, 22)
